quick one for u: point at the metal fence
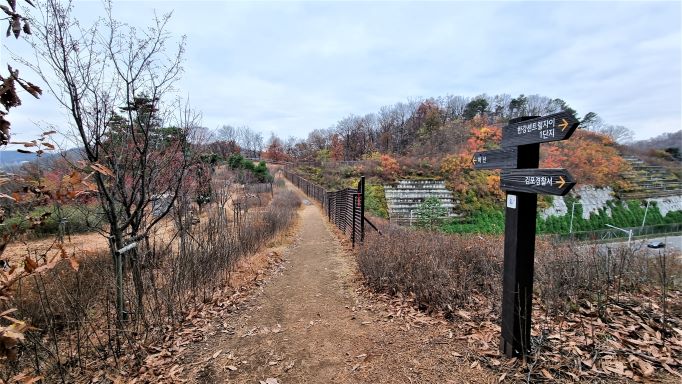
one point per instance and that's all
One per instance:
(345, 208)
(606, 234)
(258, 188)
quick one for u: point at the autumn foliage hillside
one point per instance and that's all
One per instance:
(436, 138)
(592, 158)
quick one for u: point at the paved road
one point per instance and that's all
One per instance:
(672, 244)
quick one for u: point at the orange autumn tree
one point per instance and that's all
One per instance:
(476, 190)
(390, 167)
(275, 150)
(483, 138)
(592, 158)
(336, 148)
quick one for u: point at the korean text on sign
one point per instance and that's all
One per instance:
(536, 126)
(538, 180)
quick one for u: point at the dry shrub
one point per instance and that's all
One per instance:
(281, 212)
(568, 275)
(69, 312)
(74, 311)
(443, 272)
(596, 306)
(60, 296)
(446, 272)
(209, 250)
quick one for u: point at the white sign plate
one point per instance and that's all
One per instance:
(511, 201)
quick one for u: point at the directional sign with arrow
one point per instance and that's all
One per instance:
(551, 181)
(556, 127)
(497, 158)
(519, 158)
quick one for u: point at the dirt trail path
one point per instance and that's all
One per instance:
(308, 325)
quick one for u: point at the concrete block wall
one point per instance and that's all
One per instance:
(404, 197)
(592, 199)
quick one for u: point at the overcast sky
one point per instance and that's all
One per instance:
(289, 68)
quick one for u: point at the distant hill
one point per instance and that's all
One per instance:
(663, 151)
(12, 158)
(663, 141)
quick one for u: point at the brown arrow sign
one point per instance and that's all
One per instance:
(550, 181)
(496, 158)
(556, 127)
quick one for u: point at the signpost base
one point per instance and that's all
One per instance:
(519, 255)
(517, 285)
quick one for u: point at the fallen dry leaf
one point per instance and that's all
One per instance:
(546, 374)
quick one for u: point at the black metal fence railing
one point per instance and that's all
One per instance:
(345, 208)
(258, 188)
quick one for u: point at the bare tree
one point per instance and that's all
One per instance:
(201, 135)
(537, 105)
(228, 133)
(318, 139)
(402, 135)
(250, 141)
(456, 105)
(500, 105)
(258, 144)
(618, 133)
(114, 81)
(290, 147)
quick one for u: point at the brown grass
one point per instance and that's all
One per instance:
(442, 271)
(74, 312)
(592, 303)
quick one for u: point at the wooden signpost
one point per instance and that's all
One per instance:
(548, 181)
(535, 130)
(522, 180)
(495, 159)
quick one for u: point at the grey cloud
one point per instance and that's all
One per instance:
(294, 67)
